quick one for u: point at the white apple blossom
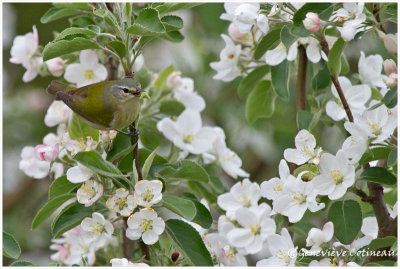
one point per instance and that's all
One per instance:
(256, 227)
(145, 224)
(374, 124)
(57, 169)
(317, 237)
(125, 263)
(31, 165)
(55, 66)
(244, 16)
(121, 202)
(25, 51)
(328, 262)
(148, 192)
(79, 173)
(336, 175)
(390, 68)
(280, 53)
(106, 136)
(87, 71)
(187, 132)
(390, 42)
(227, 68)
(242, 194)
(370, 69)
(297, 196)
(239, 37)
(89, 192)
(226, 255)
(305, 150)
(57, 113)
(62, 253)
(75, 146)
(97, 230)
(353, 17)
(282, 249)
(272, 188)
(354, 147)
(47, 153)
(356, 96)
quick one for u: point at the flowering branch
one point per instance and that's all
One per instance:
(335, 81)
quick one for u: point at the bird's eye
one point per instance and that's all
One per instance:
(125, 90)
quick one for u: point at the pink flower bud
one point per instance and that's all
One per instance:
(390, 42)
(390, 67)
(391, 80)
(312, 22)
(46, 153)
(55, 66)
(235, 34)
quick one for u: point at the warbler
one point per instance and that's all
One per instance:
(106, 105)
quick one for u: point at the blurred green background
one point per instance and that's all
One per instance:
(260, 145)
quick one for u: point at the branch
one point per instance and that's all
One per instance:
(301, 80)
(378, 18)
(335, 81)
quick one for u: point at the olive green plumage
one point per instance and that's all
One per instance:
(106, 105)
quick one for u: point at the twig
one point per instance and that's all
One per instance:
(145, 250)
(378, 18)
(335, 81)
(301, 80)
(125, 241)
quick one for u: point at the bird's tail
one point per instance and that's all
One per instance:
(56, 86)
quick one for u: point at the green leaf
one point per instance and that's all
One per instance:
(81, 21)
(61, 186)
(345, 68)
(22, 263)
(301, 228)
(390, 98)
(150, 136)
(94, 161)
(384, 242)
(203, 216)
(171, 107)
(268, 42)
(86, 6)
(203, 190)
(78, 129)
(322, 79)
(304, 118)
(189, 242)
(51, 205)
(186, 170)
(382, 263)
(11, 248)
(71, 216)
(378, 175)
(108, 17)
(378, 153)
(147, 23)
(173, 36)
(172, 22)
(118, 47)
(280, 80)
(75, 31)
(286, 37)
(161, 81)
(392, 158)
(147, 164)
(61, 47)
(182, 207)
(261, 102)
(251, 80)
(376, 95)
(324, 10)
(56, 13)
(170, 7)
(347, 219)
(334, 61)
(121, 146)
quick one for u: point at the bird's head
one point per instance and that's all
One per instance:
(126, 89)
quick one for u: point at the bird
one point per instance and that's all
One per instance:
(106, 105)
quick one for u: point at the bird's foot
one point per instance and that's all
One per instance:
(133, 133)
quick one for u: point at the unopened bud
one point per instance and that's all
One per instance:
(312, 22)
(175, 256)
(390, 67)
(390, 43)
(55, 66)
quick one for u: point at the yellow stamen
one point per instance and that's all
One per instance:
(89, 74)
(147, 225)
(337, 176)
(254, 229)
(189, 138)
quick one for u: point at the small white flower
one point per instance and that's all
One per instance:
(242, 194)
(88, 71)
(272, 188)
(328, 262)
(370, 69)
(279, 54)
(89, 192)
(62, 253)
(25, 51)
(242, 15)
(353, 17)
(46, 153)
(227, 68)
(97, 229)
(55, 66)
(305, 150)
(219, 247)
(57, 113)
(187, 133)
(282, 249)
(79, 173)
(106, 136)
(121, 202)
(239, 37)
(256, 227)
(297, 196)
(145, 224)
(375, 124)
(312, 22)
(31, 165)
(356, 96)
(354, 147)
(336, 175)
(125, 263)
(75, 146)
(148, 192)
(317, 237)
